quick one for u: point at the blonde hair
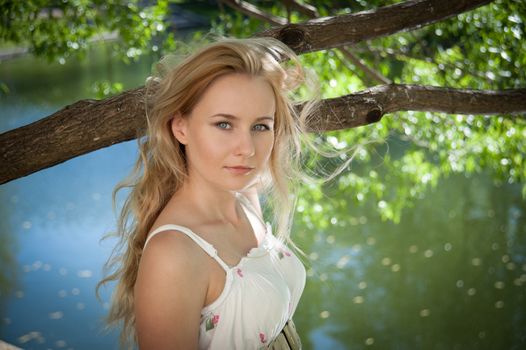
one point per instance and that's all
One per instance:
(161, 168)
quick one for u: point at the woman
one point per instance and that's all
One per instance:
(198, 265)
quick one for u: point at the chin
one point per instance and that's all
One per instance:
(239, 186)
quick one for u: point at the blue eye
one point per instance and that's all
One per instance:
(264, 127)
(223, 125)
(257, 127)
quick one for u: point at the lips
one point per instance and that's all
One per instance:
(238, 169)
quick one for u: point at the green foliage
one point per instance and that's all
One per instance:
(398, 158)
(236, 25)
(103, 89)
(58, 29)
(481, 49)
(4, 89)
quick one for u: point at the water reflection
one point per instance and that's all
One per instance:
(51, 222)
(449, 276)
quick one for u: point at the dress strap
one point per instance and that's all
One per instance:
(250, 207)
(207, 247)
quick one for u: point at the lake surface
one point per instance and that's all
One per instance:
(451, 275)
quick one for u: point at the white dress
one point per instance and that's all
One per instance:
(260, 294)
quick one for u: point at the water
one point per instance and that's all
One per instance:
(451, 275)
(52, 221)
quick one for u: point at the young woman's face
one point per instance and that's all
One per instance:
(229, 135)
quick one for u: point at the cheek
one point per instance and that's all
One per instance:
(208, 148)
(265, 146)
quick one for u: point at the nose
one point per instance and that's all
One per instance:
(245, 144)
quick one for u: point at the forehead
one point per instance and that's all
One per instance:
(241, 95)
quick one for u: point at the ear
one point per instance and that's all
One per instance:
(179, 126)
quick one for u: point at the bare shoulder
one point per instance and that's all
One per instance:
(170, 292)
(173, 253)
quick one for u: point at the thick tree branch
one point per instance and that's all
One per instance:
(330, 32)
(77, 129)
(371, 73)
(369, 106)
(255, 12)
(89, 125)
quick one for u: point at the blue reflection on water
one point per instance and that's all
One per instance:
(322, 340)
(56, 220)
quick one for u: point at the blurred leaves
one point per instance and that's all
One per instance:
(410, 152)
(58, 29)
(4, 89)
(103, 89)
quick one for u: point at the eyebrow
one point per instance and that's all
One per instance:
(230, 116)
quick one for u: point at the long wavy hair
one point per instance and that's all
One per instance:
(161, 169)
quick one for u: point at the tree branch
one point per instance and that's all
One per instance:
(89, 125)
(251, 10)
(371, 73)
(306, 9)
(403, 56)
(330, 32)
(257, 13)
(369, 106)
(77, 129)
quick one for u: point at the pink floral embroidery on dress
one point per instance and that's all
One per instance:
(282, 253)
(262, 338)
(239, 272)
(211, 322)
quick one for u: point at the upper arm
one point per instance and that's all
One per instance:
(169, 293)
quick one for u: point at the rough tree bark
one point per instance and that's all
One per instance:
(331, 32)
(89, 125)
(255, 12)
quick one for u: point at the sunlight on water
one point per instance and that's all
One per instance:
(37, 336)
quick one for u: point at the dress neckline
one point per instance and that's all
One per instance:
(262, 247)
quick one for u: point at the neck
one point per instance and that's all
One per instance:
(211, 204)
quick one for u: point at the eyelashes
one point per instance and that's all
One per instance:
(265, 127)
(257, 127)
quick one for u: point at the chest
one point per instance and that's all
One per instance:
(259, 296)
(231, 253)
